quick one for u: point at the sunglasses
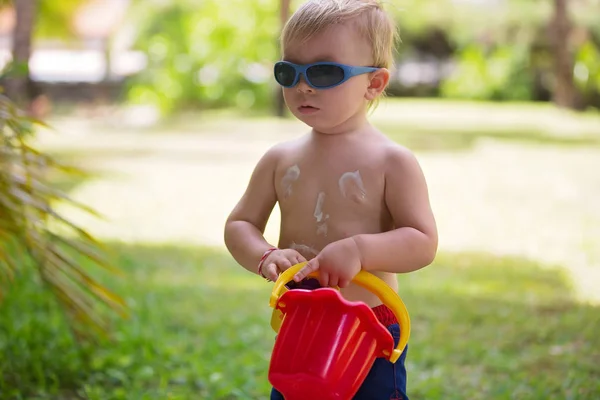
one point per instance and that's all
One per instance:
(321, 75)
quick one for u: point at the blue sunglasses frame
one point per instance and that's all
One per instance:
(349, 72)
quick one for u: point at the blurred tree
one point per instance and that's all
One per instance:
(284, 13)
(34, 19)
(205, 54)
(28, 222)
(18, 84)
(498, 50)
(564, 93)
(587, 71)
(501, 50)
(30, 225)
(55, 18)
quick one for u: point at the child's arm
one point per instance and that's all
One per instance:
(246, 224)
(413, 245)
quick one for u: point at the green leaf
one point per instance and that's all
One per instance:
(26, 218)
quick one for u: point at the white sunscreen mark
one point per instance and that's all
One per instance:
(351, 186)
(304, 249)
(291, 175)
(322, 229)
(318, 214)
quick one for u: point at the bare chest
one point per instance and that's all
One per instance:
(324, 200)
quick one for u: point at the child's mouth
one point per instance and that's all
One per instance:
(307, 109)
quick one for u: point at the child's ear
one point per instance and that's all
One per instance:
(377, 83)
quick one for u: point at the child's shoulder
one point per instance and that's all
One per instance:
(285, 148)
(278, 152)
(394, 151)
(398, 157)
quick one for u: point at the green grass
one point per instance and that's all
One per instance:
(449, 125)
(419, 138)
(484, 327)
(420, 124)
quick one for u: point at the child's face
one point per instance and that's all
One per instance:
(331, 110)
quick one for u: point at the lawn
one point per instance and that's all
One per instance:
(484, 327)
(509, 310)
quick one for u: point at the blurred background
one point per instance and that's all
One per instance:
(153, 113)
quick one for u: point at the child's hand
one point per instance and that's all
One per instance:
(280, 260)
(338, 263)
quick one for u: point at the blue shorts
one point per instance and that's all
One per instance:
(385, 381)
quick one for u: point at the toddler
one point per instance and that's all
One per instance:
(350, 198)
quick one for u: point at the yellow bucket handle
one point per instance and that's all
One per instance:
(368, 281)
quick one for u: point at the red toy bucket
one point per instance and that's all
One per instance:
(326, 345)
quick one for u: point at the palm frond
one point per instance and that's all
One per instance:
(30, 223)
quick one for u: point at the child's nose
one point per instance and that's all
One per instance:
(302, 86)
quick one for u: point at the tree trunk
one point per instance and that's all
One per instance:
(284, 14)
(18, 85)
(564, 94)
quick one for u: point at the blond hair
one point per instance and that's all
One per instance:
(373, 22)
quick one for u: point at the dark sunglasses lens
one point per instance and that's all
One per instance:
(325, 75)
(285, 74)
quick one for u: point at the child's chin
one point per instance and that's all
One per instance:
(315, 121)
(310, 120)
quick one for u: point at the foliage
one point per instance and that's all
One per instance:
(499, 50)
(194, 60)
(484, 327)
(513, 21)
(55, 18)
(587, 68)
(498, 74)
(29, 224)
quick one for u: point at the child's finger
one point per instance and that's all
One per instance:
(343, 283)
(271, 272)
(297, 260)
(333, 281)
(295, 257)
(324, 279)
(284, 264)
(312, 266)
